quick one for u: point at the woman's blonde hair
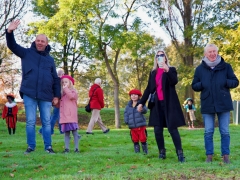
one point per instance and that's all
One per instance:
(70, 86)
(155, 65)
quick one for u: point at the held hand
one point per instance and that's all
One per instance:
(55, 101)
(139, 108)
(13, 25)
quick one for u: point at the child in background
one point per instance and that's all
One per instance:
(68, 112)
(136, 121)
(9, 113)
(190, 108)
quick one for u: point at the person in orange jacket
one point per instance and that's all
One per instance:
(9, 113)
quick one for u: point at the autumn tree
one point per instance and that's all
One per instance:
(189, 24)
(66, 41)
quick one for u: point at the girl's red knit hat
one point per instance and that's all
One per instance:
(68, 77)
(135, 91)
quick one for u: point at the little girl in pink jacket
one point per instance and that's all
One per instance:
(68, 112)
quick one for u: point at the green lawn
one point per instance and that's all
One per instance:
(111, 156)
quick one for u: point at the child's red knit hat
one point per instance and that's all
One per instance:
(68, 77)
(135, 91)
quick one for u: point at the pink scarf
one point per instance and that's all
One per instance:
(158, 80)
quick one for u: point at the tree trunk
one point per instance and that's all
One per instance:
(117, 108)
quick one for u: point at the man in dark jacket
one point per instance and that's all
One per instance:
(40, 84)
(214, 78)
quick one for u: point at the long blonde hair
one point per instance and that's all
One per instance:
(70, 85)
(155, 65)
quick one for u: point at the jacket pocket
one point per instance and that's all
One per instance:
(225, 93)
(204, 95)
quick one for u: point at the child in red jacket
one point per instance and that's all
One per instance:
(9, 113)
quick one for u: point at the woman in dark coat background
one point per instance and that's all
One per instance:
(166, 111)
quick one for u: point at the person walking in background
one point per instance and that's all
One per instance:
(9, 113)
(190, 109)
(55, 114)
(167, 111)
(136, 121)
(96, 104)
(214, 78)
(40, 86)
(69, 112)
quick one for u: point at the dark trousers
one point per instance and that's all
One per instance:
(160, 139)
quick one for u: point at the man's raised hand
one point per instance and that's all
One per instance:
(13, 25)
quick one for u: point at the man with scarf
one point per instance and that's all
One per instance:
(214, 78)
(40, 86)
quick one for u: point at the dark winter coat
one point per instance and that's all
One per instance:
(172, 108)
(97, 98)
(133, 118)
(39, 76)
(214, 85)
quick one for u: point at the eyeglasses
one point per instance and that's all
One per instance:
(160, 55)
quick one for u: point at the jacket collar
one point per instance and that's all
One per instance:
(220, 66)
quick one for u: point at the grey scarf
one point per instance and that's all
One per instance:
(214, 63)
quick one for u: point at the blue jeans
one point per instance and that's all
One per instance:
(223, 121)
(30, 105)
(54, 118)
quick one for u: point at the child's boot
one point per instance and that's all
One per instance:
(145, 148)
(9, 131)
(136, 148)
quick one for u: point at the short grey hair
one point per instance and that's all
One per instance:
(210, 45)
(60, 72)
(97, 81)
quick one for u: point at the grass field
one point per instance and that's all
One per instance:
(111, 156)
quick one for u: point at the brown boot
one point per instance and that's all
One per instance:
(209, 159)
(226, 159)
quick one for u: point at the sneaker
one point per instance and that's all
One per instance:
(105, 132)
(77, 151)
(50, 150)
(66, 151)
(29, 150)
(89, 133)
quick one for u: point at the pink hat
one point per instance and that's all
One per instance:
(68, 77)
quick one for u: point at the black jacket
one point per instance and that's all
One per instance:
(173, 111)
